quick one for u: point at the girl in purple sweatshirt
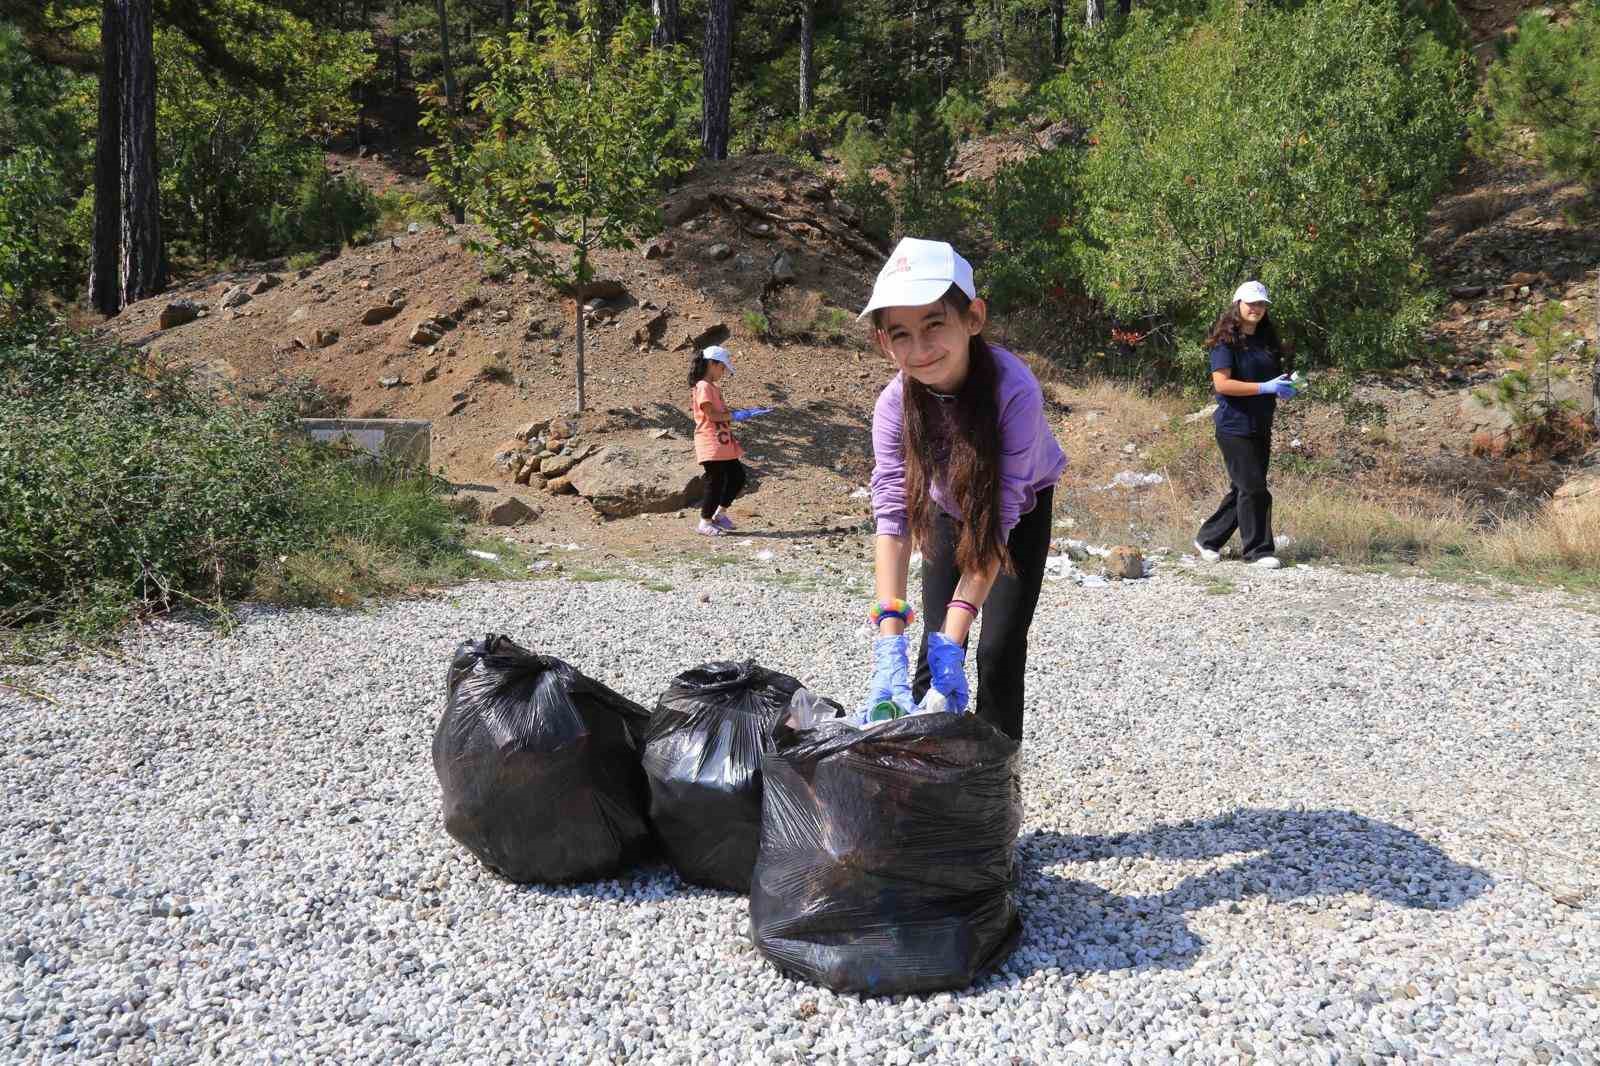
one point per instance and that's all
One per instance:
(966, 468)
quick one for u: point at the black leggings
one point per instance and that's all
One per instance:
(1007, 613)
(1247, 507)
(724, 480)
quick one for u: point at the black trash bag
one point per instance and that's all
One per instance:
(886, 862)
(539, 765)
(702, 758)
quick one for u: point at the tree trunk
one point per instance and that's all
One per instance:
(1058, 20)
(717, 58)
(666, 31)
(105, 286)
(808, 34)
(144, 265)
(998, 19)
(444, 46)
(508, 14)
(396, 41)
(1124, 8)
(1095, 14)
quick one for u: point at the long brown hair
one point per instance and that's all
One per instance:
(1229, 329)
(973, 462)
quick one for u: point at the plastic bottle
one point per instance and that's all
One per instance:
(932, 703)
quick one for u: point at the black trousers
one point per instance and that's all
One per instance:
(724, 480)
(1007, 613)
(1248, 505)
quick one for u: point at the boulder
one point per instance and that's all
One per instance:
(715, 333)
(651, 330)
(558, 465)
(378, 314)
(532, 430)
(782, 269)
(659, 248)
(177, 313)
(511, 512)
(682, 210)
(426, 332)
(430, 374)
(508, 456)
(324, 337)
(237, 296)
(1580, 493)
(559, 486)
(265, 283)
(1124, 561)
(621, 481)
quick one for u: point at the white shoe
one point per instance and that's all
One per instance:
(1266, 562)
(709, 529)
(1206, 553)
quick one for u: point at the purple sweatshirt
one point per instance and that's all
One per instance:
(1030, 459)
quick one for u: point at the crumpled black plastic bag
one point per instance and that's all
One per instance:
(702, 758)
(539, 765)
(886, 863)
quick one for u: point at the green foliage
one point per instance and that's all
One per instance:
(755, 323)
(1540, 417)
(35, 244)
(962, 115)
(241, 174)
(1031, 213)
(581, 133)
(126, 488)
(1548, 82)
(326, 212)
(1300, 147)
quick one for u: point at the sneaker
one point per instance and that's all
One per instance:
(709, 529)
(1266, 562)
(723, 522)
(1206, 553)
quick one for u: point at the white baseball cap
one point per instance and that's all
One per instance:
(1251, 292)
(718, 354)
(919, 272)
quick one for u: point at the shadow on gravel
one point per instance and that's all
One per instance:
(1289, 855)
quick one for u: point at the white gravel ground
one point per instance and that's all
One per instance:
(1320, 818)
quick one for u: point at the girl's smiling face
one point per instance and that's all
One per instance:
(931, 344)
(715, 371)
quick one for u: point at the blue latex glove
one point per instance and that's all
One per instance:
(745, 413)
(947, 664)
(891, 680)
(1280, 386)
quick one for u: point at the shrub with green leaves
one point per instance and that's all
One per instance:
(126, 488)
(1301, 147)
(1548, 82)
(35, 246)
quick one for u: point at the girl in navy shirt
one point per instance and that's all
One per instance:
(1248, 379)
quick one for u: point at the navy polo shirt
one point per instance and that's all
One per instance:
(1246, 416)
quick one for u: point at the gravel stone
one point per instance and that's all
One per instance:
(1322, 818)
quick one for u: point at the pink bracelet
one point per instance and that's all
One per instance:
(964, 605)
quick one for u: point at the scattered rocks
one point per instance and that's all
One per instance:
(781, 269)
(299, 315)
(378, 314)
(559, 486)
(718, 252)
(649, 332)
(324, 338)
(390, 383)
(659, 248)
(457, 408)
(677, 212)
(237, 296)
(265, 283)
(431, 373)
(715, 333)
(178, 313)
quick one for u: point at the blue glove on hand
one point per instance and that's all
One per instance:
(749, 412)
(947, 664)
(891, 680)
(1280, 386)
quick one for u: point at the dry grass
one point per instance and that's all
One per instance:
(1380, 517)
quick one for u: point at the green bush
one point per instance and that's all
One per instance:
(126, 489)
(328, 211)
(35, 245)
(1301, 147)
(1548, 81)
(1031, 208)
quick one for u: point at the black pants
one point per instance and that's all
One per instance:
(1248, 505)
(1007, 613)
(724, 480)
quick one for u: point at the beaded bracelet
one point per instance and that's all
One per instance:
(965, 605)
(892, 609)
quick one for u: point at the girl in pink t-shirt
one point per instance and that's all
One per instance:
(714, 447)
